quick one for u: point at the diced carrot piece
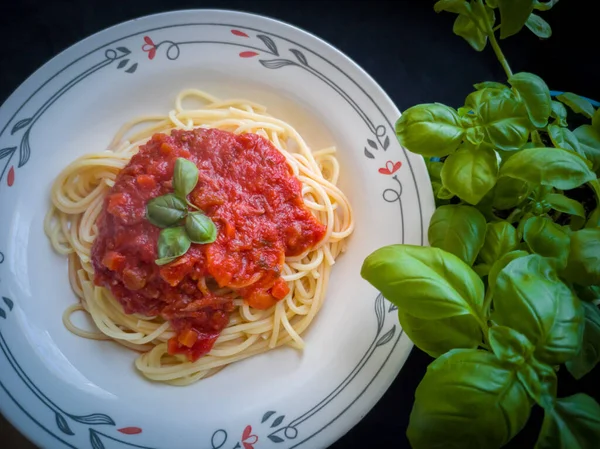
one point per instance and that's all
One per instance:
(113, 260)
(188, 338)
(280, 289)
(261, 299)
(146, 181)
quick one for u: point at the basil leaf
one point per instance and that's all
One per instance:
(472, 32)
(185, 177)
(574, 422)
(578, 104)
(430, 130)
(529, 298)
(425, 282)
(490, 84)
(583, 266)
(499, 265)
(544, 6)
(492, 3)
(436, 337)
(500, 238)
(589, 142)
(467, 399)
(455, 6)
(513, 14)
(548, 166)
(172, 243)
(594, 219)
(564, 204)
(200, 228)
(536, 96)
(589, 353)
(596, 119)
(565, 139)
(166, 210)
(459, 230)
(538, 26)
(505, 122)
(470, 173)
(546, 238)
(559, 112)
(510, 192)
(484, 93)
(509, 345)
(539, 381)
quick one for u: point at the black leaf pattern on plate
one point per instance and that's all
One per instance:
(379, 312)
(392, 308)
(94, 419)
(372, 144)
(95, 440)
(369, 154)
(24, 149)
(385, 338)
(7, 301)
(2, 313)
(276, 63)
(62, 424)
(275, 439)
(268, 43)
(386, 142)
(123, 63)
(7, 151)
(300, 56)
(124, 50)
(132, 68)
(20, 124)
(278, 421)
(267, 416)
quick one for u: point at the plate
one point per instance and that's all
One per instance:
(64, 391)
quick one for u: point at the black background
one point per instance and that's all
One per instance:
(409, 50)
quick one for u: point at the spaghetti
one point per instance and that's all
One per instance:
(78, 197)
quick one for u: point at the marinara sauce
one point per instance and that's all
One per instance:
(247, 188)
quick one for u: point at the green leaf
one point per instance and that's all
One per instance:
(513, 15)
(185, 177)
(565, 204)
(509, 345)
(172, 243)
(594, 219)
(500, 238)
(540, 382)
(596, 119)
(481, 269)
(544, 5)
(468, 399)
(200, 228)
(589, 354)
(547, 239)
(510, 192)
(455, 6)
(492, 3)
(425, 282)
(590, 294)
(459, 230)
(166, 210)
(538, 26)
(583, 265)
(470, 173)
(578, 104)
(430, 130)
(436, 337)
(535, 94)
(565, 139)
(574, 423)
(499, 265)
(434, 169)
(490, 85)
(548, 166)
(505, 122)
(559, 112)
(529, 298)
(589, 142)
(465, 27)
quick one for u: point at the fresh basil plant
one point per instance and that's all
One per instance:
(506, 296)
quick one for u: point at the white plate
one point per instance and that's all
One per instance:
(64, 391)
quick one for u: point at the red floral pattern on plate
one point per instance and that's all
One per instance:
(149, 47)
(248, 438)
(390, 168)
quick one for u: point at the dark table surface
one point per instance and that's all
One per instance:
(409, 50)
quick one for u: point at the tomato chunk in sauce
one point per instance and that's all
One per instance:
(247, 188)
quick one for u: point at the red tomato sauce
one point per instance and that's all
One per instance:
(248, 190)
